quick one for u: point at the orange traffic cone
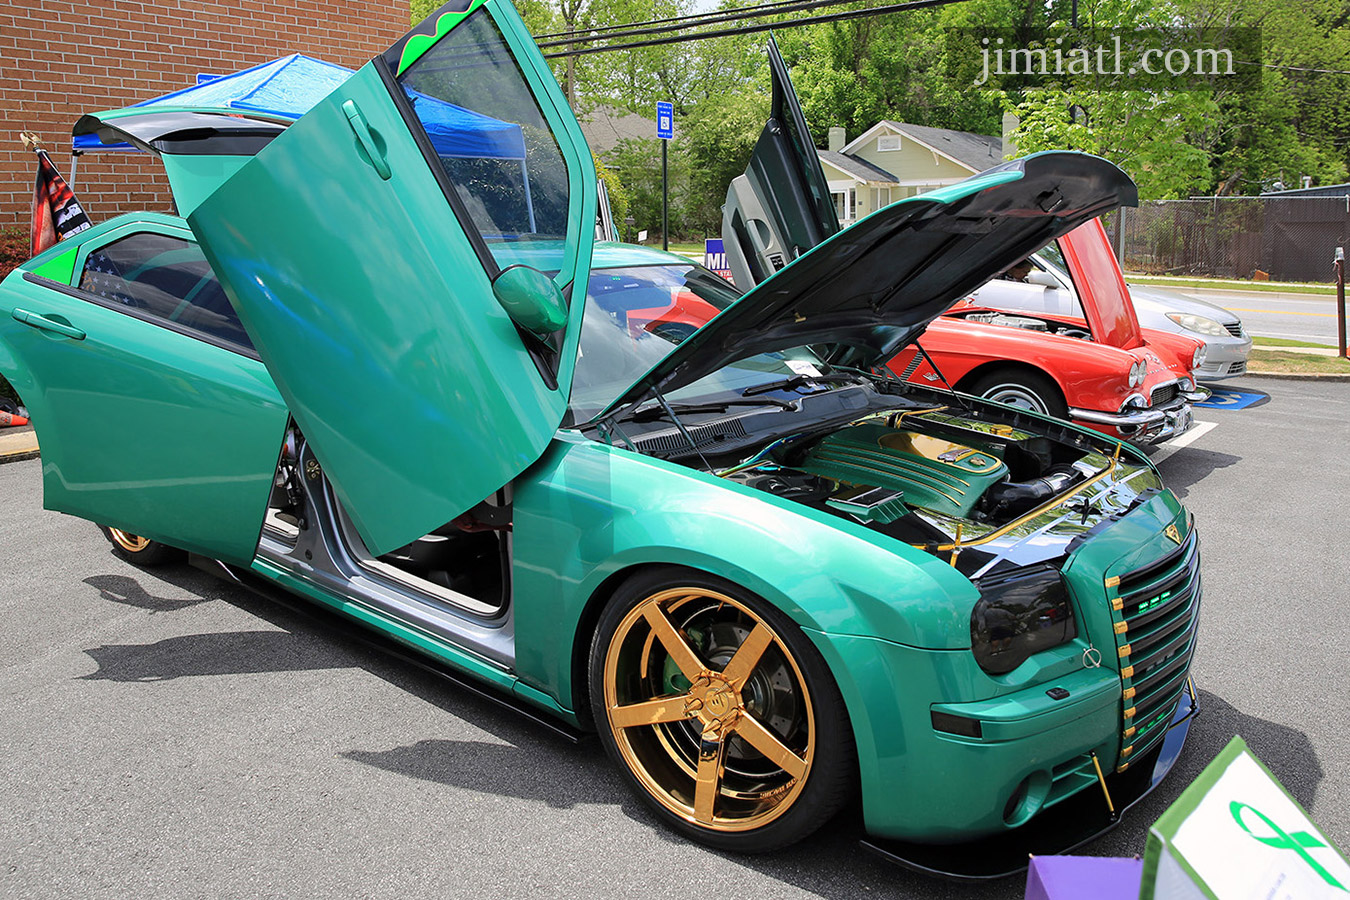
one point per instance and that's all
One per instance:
(11, 419)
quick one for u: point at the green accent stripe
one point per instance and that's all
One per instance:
(59, 268)
(419, 44)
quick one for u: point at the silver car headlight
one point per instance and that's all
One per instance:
(1137, 373)
(1198, 324)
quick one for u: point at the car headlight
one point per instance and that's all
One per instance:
(1186, 384)
(1198, 359)
(1198, 324)
(1018, 614)
(1137, 373)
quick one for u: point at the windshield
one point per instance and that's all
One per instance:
(635, 315)
(1051, 254)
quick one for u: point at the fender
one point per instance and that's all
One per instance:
(568, 534)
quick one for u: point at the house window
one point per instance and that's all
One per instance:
(888, 142)
(880, 197)
(845, 205)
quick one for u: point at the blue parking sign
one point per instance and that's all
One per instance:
(665, 120)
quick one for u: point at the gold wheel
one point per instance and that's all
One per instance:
(132, 543)
(709, 709)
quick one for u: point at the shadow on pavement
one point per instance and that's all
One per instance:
(1190, 466)
(214, 653)
(128, 591)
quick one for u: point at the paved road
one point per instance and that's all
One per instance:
(165, 735)
(1301, 317)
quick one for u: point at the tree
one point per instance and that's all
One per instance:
(719, 135)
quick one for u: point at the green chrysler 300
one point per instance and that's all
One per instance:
(386, 367)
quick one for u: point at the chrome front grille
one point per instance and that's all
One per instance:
(1238, 368)
(1234, 328)
(1157, 613)
(1164, 393)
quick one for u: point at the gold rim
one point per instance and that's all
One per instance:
(132, 543)
(709, 709)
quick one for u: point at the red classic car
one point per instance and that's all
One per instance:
(1103, 370)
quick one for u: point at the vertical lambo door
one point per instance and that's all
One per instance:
(403, 258)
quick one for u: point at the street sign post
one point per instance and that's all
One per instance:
(665, 130)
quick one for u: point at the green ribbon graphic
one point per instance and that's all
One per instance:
(1299, 841)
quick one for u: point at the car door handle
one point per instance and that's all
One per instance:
(46, 324)
(367, 139)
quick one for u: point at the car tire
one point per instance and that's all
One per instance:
(749, 761)
(140, 551)
(1032, 391)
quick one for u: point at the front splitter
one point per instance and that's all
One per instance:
(1062, 828)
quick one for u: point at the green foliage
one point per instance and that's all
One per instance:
(618, 192)
(856, 73)
(719, 136)
(1145, 134)
(638, 163)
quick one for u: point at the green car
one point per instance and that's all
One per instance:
(384, 366)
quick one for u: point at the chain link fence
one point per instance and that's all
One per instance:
(1275, 238)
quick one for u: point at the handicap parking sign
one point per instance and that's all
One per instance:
(665, 120)
(1222, 398)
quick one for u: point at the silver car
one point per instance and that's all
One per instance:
(1048, 288)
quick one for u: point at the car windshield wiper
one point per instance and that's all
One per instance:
(796, 381)
(651, 413)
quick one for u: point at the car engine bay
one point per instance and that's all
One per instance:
(977, 485)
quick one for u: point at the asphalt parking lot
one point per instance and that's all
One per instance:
(168, 735)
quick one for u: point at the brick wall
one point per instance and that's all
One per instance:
(62, 58)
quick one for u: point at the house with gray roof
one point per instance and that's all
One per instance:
(894, 160)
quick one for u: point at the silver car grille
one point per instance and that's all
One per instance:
(1234, 328)
(1163, 393)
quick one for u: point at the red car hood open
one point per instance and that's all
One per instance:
(1101, 286)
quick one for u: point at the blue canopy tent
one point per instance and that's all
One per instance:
(282, 91)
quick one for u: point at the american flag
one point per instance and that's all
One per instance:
(56, 213)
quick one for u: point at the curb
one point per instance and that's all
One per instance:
(19, 456)
(1297, 376)
(18, 445)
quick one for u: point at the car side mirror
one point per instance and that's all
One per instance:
(1044, 279)
(531, 299)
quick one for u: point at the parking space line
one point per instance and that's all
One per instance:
(1200, 430)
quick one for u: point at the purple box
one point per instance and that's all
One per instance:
(1077, 877)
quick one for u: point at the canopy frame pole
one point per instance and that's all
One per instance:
(529, 200)
(74, 158)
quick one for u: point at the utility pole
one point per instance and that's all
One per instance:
(1339, 266)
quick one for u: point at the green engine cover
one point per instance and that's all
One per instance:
(933, 473)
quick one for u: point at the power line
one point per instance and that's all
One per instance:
(675, 23)
(749, 29)
(585, 33)
(1243, 62)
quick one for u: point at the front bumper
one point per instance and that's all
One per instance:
(1061, 829)
(1146, 426)
(1225, 357)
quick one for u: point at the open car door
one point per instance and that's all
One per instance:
(384, 256)
(781, 207)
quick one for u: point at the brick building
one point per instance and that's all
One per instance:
(62, 58)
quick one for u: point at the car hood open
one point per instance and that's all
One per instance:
(873, 287)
